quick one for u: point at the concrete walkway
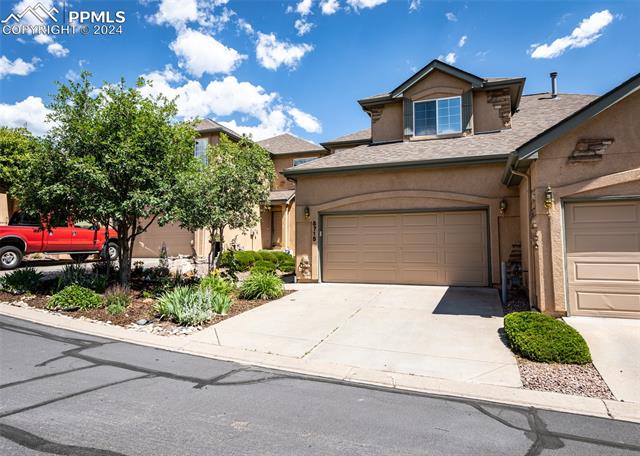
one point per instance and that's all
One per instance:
(441, 332)
(615, 349)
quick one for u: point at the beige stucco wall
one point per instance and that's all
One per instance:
(437, 85)
(4, 209)
(485, 115)
(388, 127)
(617, 174)
(427, 188)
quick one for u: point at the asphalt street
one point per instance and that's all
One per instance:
(66, 393)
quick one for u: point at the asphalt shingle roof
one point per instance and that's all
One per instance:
(281, 195)
(360, 135)
(287, 143)
(536, 113)
(206, 125)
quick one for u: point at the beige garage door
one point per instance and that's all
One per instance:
(149, 243)
(603, 258)
(431, 248)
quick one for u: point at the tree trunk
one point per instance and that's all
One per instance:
(124, 261)
(212, 241)
(219, 254)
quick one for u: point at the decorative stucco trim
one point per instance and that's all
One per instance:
(598, 182)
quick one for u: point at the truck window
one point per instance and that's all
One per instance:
(22, 219)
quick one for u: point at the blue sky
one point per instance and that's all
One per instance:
(264, 67)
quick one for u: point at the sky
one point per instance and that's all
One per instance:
(267, 67)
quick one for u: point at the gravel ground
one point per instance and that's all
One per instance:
(580, 380)
(518, 302)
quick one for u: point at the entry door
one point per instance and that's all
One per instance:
(603, 258)
(276, 227)
(427, 248)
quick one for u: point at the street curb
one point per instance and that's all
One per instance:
(624, 411)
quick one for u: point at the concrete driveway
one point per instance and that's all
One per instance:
(615, 349)
(443, 332)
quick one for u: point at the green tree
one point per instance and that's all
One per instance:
(16, 144)
(225, 191)
(112, 157)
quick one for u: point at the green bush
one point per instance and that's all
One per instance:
(226, 259)
(192, 306)
(217, 284)
(542, 338)
(283, 257)
(262, 285)
(267, 255)
(287, 266)
(75, 297)
(117, 299)
(245, 259)
(76, 274)
(20, 281)
(263, 266)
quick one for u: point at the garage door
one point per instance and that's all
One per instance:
(149, 243)
(436, 248)
(603, 258)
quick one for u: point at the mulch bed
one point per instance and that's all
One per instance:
(517, 301)
(140, 309)
(579, 380)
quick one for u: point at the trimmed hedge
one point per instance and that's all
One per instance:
(542, 338)
(264, 266)
(262, 260)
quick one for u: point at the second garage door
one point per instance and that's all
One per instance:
(149, 243)
(430, 248)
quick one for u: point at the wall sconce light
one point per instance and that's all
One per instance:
(503, 206)
(307, 213)
(548, 198)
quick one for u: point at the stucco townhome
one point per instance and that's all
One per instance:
(460, 173)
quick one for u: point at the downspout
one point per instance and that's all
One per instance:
(532, 262)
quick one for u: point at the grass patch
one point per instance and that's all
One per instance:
(542, 338)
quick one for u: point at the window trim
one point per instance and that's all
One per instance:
(413, 103)
(306, 160)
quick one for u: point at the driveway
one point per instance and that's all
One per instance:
(450, 333)
(615, 349)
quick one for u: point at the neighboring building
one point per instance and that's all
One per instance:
(277, 224)
(357, 138)
(462, 173)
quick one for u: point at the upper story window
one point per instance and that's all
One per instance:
(300, 161)
(200, 151)
(437, 117)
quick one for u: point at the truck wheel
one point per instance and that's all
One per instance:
(112, 251)
(79, 257)
(10, 257)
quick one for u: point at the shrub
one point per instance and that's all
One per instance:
(263, 266)
(216, 283)
(262, 285)
(542, 338)
(20, 281)
(283, 257)
(74, 274)
(75, 297)
(267, 255)
(117, 297)
(287, 266)
(245, 259)
(191, 306)
(227, 259)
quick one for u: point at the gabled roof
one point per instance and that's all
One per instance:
(515, 84)
(357, 137)
(537, 113)
(528, 151)
(281, 196)
(211, 126)
(287, 143)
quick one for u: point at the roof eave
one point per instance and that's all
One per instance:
(474, 160)
(350, 142)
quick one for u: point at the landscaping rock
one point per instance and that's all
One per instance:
(142, 322)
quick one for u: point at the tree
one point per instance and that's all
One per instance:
(113, 156)
(226, 190)
(16, 144)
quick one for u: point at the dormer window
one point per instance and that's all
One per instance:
(442, 116)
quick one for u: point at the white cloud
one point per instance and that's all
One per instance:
(451, 17)
(229, 96)
(362, 4)
(57, 50)
(272, 53)
(30, 19)
(200, 53)
(450, 58)
(18, 67)
(305, 121)
(462, 41)
(30, 113)
(245, 26)
(43, 39)
(588, 31)
(329, 7)
(72, 75)
(304, 7)
(303, 27)
(414, 5)
(175, 12)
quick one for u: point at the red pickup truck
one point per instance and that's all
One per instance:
(26, 235)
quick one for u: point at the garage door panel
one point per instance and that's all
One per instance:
(415, 248)
(603, 258)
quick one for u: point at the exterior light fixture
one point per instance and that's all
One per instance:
(307, 213)
(503, 206)
(548, 198)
